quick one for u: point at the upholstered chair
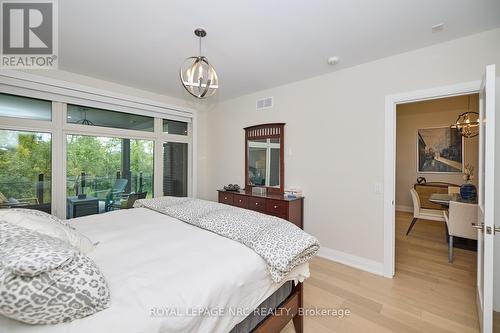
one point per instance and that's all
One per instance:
(459, 220)
(423, 213)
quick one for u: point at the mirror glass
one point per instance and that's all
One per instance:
(264, 162)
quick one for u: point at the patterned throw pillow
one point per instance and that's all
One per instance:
(73, 290)
(28, 253)
(47, 224)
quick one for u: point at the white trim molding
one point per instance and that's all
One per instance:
(69, 92)
(347, 259)
(391, 102)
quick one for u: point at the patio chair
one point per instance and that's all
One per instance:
(127, 201)
(113, 194)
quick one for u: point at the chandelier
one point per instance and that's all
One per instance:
(84, 121)
(198, 77)
(467, 123)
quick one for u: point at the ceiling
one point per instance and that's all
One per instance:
(253, 44)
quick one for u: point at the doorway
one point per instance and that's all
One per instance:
(434, 236)
(392, 103)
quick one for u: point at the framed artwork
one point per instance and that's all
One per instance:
(440, 150)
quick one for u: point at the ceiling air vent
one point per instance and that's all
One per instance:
(264, 103)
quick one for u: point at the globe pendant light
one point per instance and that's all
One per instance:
(198, 77)
(467, 123)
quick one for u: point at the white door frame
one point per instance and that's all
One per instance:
(391, 101)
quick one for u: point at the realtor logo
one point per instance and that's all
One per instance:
(29, 34)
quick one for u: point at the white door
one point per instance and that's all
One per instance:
(486, 200)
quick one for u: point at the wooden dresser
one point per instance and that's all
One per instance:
(272, 204)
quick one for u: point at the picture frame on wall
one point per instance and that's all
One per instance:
(440, 150)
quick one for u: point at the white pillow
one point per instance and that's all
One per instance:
(49, 225)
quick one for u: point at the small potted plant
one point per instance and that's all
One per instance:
(468, 191)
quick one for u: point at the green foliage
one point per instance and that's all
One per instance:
(25, 155)
(100, 158)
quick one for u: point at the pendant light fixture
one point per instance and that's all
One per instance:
(84, 121)
(467, 123)
(197, 75)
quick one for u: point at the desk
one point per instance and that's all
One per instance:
(81, 207)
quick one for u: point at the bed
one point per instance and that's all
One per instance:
(165, 275)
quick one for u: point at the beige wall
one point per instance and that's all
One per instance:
(334, 136)
(426, 114)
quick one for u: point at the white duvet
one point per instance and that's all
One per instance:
(165, 275)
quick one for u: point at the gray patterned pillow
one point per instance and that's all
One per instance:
(29, 253)
(74, 289)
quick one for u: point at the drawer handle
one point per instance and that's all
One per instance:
(240, 200)
(275, 206)
(256, 204)
(225, 198)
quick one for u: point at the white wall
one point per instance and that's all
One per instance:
(335, 133)
(426, 114)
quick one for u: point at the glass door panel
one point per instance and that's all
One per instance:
(25, 170)
(105, 174)
(175, 169)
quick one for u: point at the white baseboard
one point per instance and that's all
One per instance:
(364, 264)
(401, 208)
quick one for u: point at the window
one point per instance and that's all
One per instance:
(27, 108)
(25, 170)
(96, 117)
(108, 156)
(175, 169)
(103, 172)
(175, 127)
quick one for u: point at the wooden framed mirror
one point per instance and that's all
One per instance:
(264, 157)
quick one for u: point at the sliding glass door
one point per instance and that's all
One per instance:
(25, 155)
(102, 173)
(25, 170)
(175, 169)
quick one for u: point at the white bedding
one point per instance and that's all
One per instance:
(153, 261)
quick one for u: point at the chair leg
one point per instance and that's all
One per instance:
(450, 249)
(411, 225)
(447, 233)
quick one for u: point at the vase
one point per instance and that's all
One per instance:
(468, 192)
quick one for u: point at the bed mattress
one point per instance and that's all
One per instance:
(165, 275)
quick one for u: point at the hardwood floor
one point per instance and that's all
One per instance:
(427, 294)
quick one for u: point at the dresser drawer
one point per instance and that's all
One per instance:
(240, 200)
(226, 198)
(258, 204)
(277, 208)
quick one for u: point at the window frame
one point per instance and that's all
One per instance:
(61, 94)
